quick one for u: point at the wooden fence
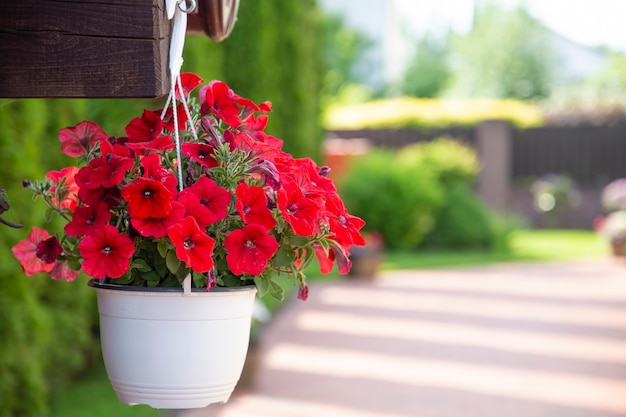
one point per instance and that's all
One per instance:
(591, 156)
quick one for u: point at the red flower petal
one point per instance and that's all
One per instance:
(87, 218)
(212, 197)
(106, 253)
(251, 204)
(76, 140)
(147, 198)
(189, 81)
(193, 246)
(201, 153)
(300, 212)
(25, 252)
(249, 249)
(157, 227)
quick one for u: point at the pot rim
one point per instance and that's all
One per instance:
(97, 284)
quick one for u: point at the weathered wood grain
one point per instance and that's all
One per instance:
(83, 48)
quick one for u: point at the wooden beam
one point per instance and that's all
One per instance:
(83, 48)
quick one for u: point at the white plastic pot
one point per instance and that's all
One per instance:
(168, 349)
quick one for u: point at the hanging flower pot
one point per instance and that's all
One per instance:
(168, 349)
(196, 195)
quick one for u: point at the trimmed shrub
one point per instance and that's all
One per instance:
(449, 160)
(464, 222)
(393, 198)
(422, 196)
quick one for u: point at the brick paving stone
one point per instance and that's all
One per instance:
(510, 340)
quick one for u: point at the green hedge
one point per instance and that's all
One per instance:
(48, 328)
(393, 197)
(422, 196)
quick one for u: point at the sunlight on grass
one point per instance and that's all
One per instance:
(525, 245)
(557, 244)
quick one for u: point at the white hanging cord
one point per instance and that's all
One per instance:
(176, 11)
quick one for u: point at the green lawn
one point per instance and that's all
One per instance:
(525, 245)
(94, 396)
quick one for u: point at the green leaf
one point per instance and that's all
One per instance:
(141, 265)
(299, 240)
(127, 278)
(324, 244)
(162, 247)
(74, 264)
(170, 281)
(172, 261)
(152, 283)
(161, 268)
(262, 285)
(150, 276)
(230, 281)
(199, 279)
(182, 273)
(284, 256)
(276, 291)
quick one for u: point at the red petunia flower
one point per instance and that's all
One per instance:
(189, 81)
(116, 146)
(213, 201)
(62, 271)
(157, 227)
(48, 250)
(147, 198)
(193, 246)
(155, 171)
(26, 252)
(249, 249)
(218, 98)
(259, 149)
(76, 140)
(69, 191)
(91, 197)
(306, 174)
(87, 218)
(145, 133)
(251, 203)
(300, 212)
(181, 115)
(255, 127)
(202, 153)
(345, 226)
(106, 253)
(106, 171)
(335, 254)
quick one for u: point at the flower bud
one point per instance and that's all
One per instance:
(303, 293)
(324, 171)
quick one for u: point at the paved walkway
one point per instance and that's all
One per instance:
(524, 340)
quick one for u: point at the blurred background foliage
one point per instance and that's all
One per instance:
(423, 197)
(306, 62)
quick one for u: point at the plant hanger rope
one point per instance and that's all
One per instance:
(177, 10)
